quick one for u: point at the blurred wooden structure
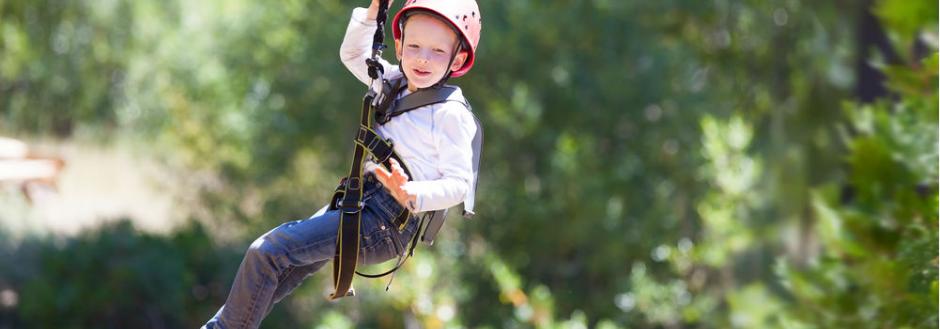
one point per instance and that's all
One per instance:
(30, 171)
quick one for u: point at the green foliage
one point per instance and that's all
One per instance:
(66, 58)
(647, 164)
(907, 19)
(879, 237)
(115, 277)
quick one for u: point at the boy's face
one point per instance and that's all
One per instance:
(426, 50)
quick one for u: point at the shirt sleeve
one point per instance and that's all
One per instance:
(453, 130)
(357, 47)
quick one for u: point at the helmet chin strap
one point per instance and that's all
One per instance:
(449, 64)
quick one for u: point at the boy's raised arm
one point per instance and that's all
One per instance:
(357, 47)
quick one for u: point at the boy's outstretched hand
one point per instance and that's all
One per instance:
(393, 182)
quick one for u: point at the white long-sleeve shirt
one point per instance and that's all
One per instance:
(434, 141)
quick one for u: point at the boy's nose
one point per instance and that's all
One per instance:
(424, 57)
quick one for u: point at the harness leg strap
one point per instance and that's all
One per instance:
(350, 206)
(344, 263)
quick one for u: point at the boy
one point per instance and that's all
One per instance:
(434, 40)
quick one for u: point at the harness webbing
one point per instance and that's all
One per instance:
(350, 203)
(415, 100)
(348, 196)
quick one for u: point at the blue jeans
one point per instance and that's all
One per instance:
(278, 261)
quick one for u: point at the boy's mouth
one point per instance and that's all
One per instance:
(421, 73)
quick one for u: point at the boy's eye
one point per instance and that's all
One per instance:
(439, 51)
(412, 46)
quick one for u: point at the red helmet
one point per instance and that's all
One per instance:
(463, 15)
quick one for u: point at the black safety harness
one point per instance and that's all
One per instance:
(381, 106)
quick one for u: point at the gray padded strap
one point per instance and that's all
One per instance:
(477, 152)
(425, 97)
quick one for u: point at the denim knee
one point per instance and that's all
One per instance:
(266, 251)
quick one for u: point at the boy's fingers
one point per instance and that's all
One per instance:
(388, 180)
(400, 176)
(382, 174)
(398, 170)
(404, 177)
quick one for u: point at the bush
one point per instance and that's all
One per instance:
(117, 277)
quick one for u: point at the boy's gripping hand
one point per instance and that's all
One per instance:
(373, 10)
(393, 182)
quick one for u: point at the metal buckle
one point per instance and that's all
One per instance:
(373, 143)
(353, 184)
(349, 208)
(381, 117)
(363, 133)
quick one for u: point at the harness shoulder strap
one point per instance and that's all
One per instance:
(424, 97)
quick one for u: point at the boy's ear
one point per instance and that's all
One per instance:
(398, 49)
(459, 60)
